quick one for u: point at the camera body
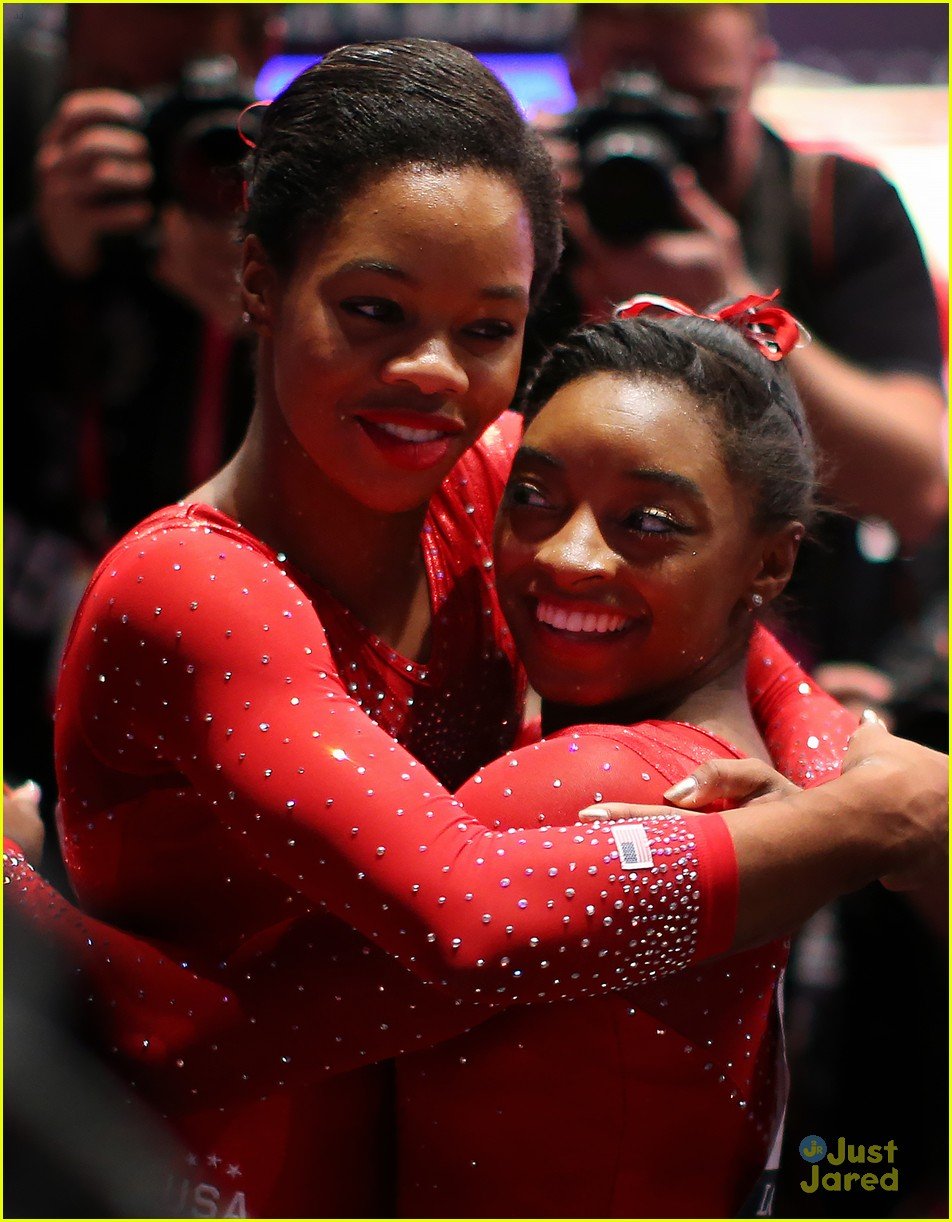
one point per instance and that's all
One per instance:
(629, 142)
(195, 151)
(194, 145)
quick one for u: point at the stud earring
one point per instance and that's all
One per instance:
(756, 601)
(246, 318)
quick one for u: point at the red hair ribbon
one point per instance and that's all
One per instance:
(768, 327)
(241, 135)
(246, 186)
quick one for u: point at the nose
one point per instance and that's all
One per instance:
(431, 366)
(577, 552)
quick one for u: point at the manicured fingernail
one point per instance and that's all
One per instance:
(594, 812)
(871, 718)
(684, 789)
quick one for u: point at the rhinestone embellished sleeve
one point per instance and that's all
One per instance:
(152, 1005)
(197, 663)
(629, 1066)
(805, 730)
(324, 1001)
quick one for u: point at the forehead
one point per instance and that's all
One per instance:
(696, 47)
(431, 217)
(607, 423)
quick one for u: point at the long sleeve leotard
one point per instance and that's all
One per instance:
(202, 704)
(233, 755)
(660, 1101)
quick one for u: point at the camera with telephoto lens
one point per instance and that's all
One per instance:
(629, 142)
(194, 147)
(193, 138)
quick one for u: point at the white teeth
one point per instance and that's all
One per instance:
(580, 621)
(553, 615)
(403, 433)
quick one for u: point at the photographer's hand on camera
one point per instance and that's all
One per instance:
(93, 174)
(697, 265)
(639, 221)
(198, 259)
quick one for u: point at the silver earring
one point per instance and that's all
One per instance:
(246, 318)
(756, 601)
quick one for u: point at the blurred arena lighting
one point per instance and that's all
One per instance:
(538, 82)
(900, 128)
(280, 71)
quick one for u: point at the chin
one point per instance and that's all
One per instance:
(394, 496)
(582, 693)
(392, 502)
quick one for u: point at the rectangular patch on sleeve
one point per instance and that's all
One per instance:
(631, 840)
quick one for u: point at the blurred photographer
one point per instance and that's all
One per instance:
(128, 376)
(94, 151)
(717, 205)
(153, 178)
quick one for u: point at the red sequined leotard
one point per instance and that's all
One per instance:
(662, 1101)
(221, 778)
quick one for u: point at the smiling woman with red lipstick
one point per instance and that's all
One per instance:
(272, 689)
(628, 554)
(654, 508)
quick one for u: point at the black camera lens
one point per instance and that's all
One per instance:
(195, 150)
(626, 186)
(630, 140)
(204, 165)
(193, 138)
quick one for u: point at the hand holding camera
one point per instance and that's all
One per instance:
(154, 182)
(198, 259)
(635, 209)
(93, 175)
(698, 263)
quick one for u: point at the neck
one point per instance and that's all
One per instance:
(719, 705)
(369, 560)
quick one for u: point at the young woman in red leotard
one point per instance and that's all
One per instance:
(268, 688)
(654, 508)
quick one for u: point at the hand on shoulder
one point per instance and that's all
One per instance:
(908, 787)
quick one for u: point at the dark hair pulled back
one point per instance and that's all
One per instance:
(369, 108)
(757, 415)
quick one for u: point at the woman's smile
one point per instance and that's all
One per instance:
(397, 339)
(584, 620)
(623, 548)
(411, 440)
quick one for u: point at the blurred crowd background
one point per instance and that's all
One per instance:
(129, 380)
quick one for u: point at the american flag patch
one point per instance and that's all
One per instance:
(631, 840)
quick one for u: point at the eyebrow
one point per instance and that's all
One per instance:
(649, 475)
(531, 454)
(373, 265)
(498, 292)
(646, 475)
